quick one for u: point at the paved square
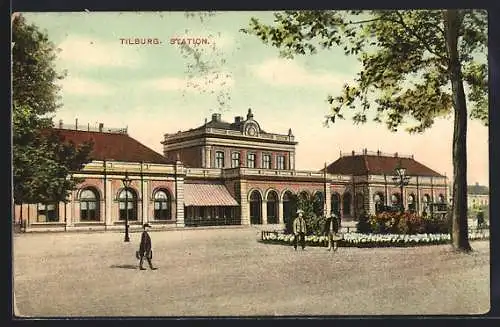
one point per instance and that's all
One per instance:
(226, 272)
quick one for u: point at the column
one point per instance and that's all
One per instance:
(208, 157)
(369, 203)
(280, 212)
(245, 209)
(264, 211)
(145, 200)
(203, 157)
(69, 211)
(179, 186)
(108, 201)
(292, 161)
(328, 200)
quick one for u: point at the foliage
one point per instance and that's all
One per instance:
(403, 223)
(414, 66)
(372, 240)
(42, 161)
(314, 223)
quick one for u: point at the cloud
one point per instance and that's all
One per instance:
(206, 83)
(289, 73)
(93, 52)
(82, 86)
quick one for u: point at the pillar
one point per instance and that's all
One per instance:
(108, 203)
(244, 207)
(280, 211)
(145, 201)
(179, 204)
(264, 211)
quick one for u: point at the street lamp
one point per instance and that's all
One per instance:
(126, 183)
(401, 180)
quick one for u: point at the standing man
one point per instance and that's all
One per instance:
(145, 248)
(332, 229)
(299, 230)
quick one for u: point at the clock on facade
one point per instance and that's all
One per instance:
(251, 131)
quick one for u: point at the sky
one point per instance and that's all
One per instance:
(152, 89)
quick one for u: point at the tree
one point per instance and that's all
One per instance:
(42, 160)
(414, 67)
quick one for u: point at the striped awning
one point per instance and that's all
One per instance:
(206, 195)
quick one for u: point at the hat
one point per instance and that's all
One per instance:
(146, 225)
(300, 211)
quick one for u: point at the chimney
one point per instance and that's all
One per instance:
(238, 119)
(216, 117)
(378, 152)
(365, 151)
(60, 123)
(396, 154)
(353, 153)
(76, 123)
(101, 125)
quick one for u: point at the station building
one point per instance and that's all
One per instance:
(223, 173)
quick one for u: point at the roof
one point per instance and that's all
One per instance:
(478, 189)
(378, 165)
(200, 195)
(113, 146)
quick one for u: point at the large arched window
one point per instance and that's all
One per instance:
(346, 204)
(128, 203)
(272, 207)
(255, 208)
(360, 203)
(89, 205)
(396, 200)
(162, 205)
(335, 203)
(426, 202)
(412, 206)
(318, 204)
(378, 198)
(289, 207)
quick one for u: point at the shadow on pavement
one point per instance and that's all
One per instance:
(125, 266)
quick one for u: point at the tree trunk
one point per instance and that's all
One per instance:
(459, 232)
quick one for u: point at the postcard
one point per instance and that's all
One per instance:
(250, 163)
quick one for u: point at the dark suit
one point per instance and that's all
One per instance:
(145, 249)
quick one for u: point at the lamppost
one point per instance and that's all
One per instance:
(126, 183)
(402, 180)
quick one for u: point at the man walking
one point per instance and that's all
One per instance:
(145, 249)
(299, 230)
(332, 229)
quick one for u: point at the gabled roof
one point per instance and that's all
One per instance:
(365, 164)
(113, 146)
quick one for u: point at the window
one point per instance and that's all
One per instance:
(162, 206)
(280, 162)
(266, 161)
(251, 160)
(47, 212)
(89, 205)
(235, 159)
(128, 204)
(219, 159)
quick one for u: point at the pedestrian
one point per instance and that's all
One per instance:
(145, 249)
(299, 230)
(332, 227)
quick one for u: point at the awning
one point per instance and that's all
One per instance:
(205, 195)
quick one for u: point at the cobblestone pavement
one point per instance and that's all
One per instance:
(226, 272)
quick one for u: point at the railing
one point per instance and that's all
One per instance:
(90, 128)
(376, 153)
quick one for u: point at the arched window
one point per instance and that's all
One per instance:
(426, 202)
(360, 203)
(289, 208)
(272, 207)
(162, 205)
(441, 198)
(304, 196)
(412, 206)
(335, 203)
(346, 204)
(89, 205)
(318, 204)
(378, 198)
(128, 203)
(255, 208)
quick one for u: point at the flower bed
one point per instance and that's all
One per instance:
(372, 240)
